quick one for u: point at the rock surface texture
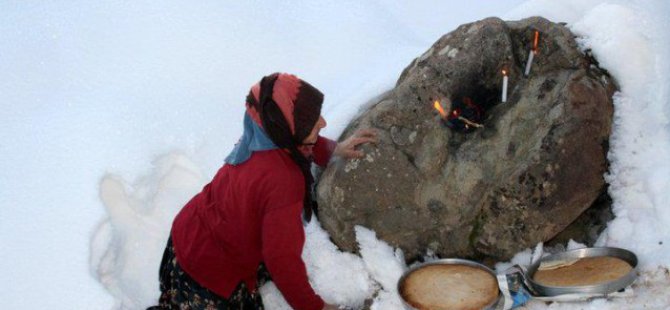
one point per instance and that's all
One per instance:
(537, 164)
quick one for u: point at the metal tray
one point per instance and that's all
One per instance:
(603, 288)
(447, 261)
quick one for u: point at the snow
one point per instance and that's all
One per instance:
(135, 233)
(114, 114)
(639, 172)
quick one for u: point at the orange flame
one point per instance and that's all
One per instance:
(536, 41)
(439, 109)
(504, 72)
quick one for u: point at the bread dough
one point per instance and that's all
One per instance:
(585, 271)
(446, 286)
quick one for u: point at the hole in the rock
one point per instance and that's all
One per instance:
(469, 107)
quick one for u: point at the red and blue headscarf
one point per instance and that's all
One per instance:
(281, 111)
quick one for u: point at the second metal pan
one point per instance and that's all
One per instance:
(603, 288)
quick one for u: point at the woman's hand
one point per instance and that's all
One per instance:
(347, 148)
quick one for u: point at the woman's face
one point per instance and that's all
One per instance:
(314, 135)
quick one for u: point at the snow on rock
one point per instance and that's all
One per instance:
(384, 264)
(522, 258)
(339, 277)
(574, 245)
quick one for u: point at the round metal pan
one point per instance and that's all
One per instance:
(603, 288)
(447, 261)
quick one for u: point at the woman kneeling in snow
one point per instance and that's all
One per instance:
(248, 218)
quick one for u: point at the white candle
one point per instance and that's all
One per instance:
(530, 62)
(504, 87)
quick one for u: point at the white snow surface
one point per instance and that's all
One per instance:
(115, 113)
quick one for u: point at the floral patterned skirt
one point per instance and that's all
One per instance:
(180, 291)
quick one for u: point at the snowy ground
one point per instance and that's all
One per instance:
(115, 113)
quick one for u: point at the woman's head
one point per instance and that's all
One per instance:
(287, 108)
(289, 111)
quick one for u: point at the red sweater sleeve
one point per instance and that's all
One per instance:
(283, 240)
(323, 151)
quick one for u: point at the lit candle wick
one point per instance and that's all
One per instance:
(438, 106)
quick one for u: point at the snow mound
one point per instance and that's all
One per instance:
(128, 245)
(385, 265)
(640, 143)
(339, 277)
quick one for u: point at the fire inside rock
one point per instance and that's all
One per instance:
(467, 112)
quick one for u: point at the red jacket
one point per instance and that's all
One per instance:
(248, 214)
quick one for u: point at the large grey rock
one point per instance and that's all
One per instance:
(534, 168)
